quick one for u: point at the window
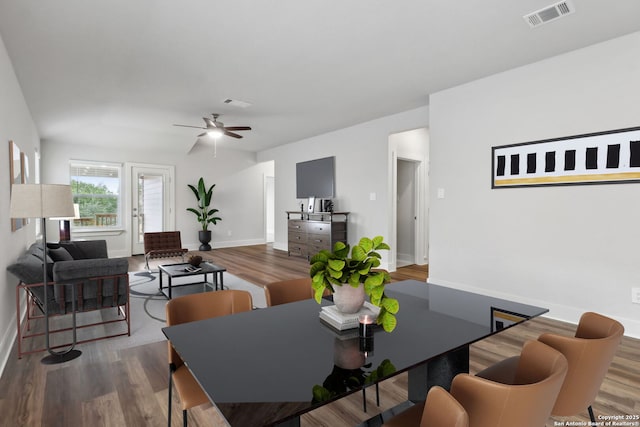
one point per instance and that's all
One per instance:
(96, 189)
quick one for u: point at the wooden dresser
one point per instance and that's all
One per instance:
(309, 233)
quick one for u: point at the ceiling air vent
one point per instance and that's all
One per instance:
(549, 13)
(237, 103)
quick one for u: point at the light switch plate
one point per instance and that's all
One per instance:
(635, 295)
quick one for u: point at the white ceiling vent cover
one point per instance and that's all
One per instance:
(237, 103)
(549, 13)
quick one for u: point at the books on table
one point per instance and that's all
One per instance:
(343, 321)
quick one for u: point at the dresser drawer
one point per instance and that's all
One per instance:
(296, 225)
(316, 227)
(297, 248)
(298, 238)
(317, 243)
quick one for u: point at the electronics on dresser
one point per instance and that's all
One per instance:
(315, 178)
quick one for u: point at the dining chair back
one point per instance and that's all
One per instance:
(517, 391)
(286, 291)
(589, 353)
(439, 410)
(190, 308)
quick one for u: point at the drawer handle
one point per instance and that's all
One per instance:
(318, 240)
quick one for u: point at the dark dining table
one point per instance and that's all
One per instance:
(260, 368)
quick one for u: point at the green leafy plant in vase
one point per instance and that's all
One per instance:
(204, 213)
(337, 268)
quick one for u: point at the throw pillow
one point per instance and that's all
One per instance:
(60, 254)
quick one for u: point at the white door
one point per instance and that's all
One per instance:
(406, 213)
(151, 202)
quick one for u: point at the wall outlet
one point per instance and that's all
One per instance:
(228, 232)
(635, 295)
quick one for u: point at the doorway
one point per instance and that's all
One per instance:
(269, 208)
(152, 195)
(408, 198)
(406, 211)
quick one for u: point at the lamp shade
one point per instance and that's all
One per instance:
(41, 201)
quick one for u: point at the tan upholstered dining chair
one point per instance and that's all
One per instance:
(589, 353)
(286, 291)
(439, 410)
(523, 398)
(190, 308)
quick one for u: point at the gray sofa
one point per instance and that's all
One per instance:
(101, 283)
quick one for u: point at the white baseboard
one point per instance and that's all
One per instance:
(404, 259)
(280, 246)
(557, 311)
(9, 338)
(227, 244)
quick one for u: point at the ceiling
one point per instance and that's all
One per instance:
(121, 72)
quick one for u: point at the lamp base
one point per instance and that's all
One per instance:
(54, 359)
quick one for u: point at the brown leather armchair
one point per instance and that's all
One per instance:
(439, 410)
(162, 244)
(190, 308)
(589, 354)
(288, 291)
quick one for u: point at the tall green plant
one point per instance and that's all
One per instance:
(329, 269)
(205, 214)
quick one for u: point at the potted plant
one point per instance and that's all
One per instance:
(334, 270)
(205, 214)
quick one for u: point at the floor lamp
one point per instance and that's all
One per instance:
(46, 201)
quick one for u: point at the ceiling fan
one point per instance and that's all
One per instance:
(216, 129)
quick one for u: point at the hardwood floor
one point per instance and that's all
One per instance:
(129, 387)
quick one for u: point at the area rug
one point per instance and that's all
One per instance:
(148, 306)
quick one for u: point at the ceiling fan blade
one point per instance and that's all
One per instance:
(188, 126)
(210, 123)
(234, 135)
(202, 134)
(196, 143)
(237, 128)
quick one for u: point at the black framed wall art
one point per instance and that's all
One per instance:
(609, 157)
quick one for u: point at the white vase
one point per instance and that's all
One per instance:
(347, 354)
(347, 298)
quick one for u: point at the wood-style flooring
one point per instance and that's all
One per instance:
(129, 387)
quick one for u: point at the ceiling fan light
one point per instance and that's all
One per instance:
(215, 133)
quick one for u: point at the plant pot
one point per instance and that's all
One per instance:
(348, 299)
(347, 354)
(205, 237)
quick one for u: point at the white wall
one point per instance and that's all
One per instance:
(569, 248)
(15, 124)
(238, 193)
(361, 162)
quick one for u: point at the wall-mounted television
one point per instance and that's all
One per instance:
(315, 178)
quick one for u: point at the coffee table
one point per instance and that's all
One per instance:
(173, 271)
